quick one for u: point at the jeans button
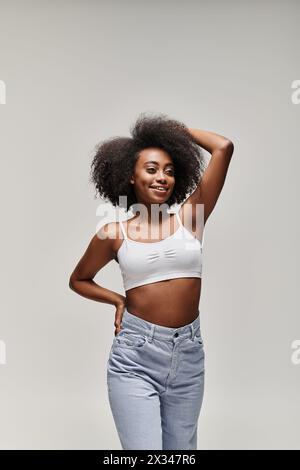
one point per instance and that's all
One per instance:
(176, 334)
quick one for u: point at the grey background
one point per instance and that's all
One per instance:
(78, 72)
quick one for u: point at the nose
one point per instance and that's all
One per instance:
(161, 178)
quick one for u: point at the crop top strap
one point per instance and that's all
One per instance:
(203, 233)
(180, 222)
(178, 216)
(123, 230)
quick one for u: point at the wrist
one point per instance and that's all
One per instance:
(121, 301)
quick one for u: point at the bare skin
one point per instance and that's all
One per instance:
(173, 302)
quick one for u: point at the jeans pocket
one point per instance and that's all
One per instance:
(129, 339)
(198, 340)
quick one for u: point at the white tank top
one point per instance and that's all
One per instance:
(179, 255)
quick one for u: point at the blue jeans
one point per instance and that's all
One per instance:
(155, 380)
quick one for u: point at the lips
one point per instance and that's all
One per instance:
(161, 191)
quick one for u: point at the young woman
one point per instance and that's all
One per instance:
(155, 370)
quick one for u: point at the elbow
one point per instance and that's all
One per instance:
(227, 148)
(228, 144)
(72, 283)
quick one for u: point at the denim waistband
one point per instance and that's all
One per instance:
(153, 330)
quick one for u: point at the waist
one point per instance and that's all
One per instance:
(170, 303)
(139, 325)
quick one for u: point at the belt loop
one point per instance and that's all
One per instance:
(151, 333)
(193, 332)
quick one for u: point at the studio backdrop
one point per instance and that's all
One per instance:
(73, 73)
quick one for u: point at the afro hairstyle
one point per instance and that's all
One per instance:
(115, 158)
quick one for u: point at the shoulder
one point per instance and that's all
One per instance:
(113, 234)
(111, 231)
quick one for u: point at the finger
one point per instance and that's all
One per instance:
(118, 319)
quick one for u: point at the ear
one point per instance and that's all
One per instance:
(132, 180)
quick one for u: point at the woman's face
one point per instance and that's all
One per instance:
(154, 168)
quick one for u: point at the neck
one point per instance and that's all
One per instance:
(153, 213)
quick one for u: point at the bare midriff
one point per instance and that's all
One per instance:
(172, 303)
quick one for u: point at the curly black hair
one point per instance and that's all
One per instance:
(115, 159)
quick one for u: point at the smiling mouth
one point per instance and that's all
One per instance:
(162, 191)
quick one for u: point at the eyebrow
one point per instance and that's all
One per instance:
(156, 163)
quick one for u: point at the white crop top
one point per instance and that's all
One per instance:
(179, 255)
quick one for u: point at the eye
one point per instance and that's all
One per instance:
(170, 172)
